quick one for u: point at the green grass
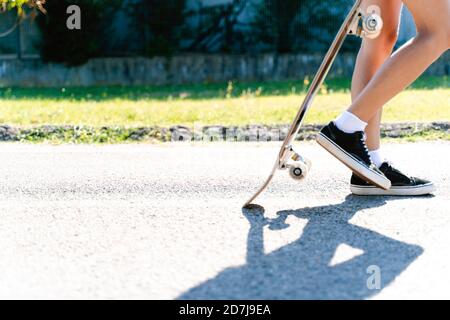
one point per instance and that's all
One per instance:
(208, 104)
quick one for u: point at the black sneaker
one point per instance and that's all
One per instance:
(402, 185)
(351, 150)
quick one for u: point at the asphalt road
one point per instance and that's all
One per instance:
(165, 222)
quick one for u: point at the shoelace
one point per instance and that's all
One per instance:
(362, 141)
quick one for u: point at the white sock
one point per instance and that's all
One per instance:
(377, 157)
(349, 123)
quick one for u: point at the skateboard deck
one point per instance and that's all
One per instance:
(356, 23)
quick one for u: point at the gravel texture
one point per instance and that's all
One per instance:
(165, 222)
(252, 133)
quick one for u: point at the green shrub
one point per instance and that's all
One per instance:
(19, 4)
(159, 23)
(73, 47)
(298, 25)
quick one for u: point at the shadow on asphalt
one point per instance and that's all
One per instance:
(301, 270)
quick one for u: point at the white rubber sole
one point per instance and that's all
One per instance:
(393, 191)
(353, 164)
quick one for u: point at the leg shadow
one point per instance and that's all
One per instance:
(302, 270)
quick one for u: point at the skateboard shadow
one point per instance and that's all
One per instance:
(302, 270)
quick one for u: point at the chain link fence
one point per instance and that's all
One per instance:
(18, 39)
(209, 26)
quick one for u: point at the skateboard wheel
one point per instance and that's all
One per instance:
(372, 26)
(298, 170)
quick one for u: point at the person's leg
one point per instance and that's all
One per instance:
(344, 137)
(432, 18)
(372, 55)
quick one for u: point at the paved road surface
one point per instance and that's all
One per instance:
(142, 221)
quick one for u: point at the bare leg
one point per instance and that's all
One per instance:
(372, 55)
(432, 18)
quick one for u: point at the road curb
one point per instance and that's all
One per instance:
(118, 134)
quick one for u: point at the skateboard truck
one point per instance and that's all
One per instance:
(367, 26)
(298, 166)
(356, 23)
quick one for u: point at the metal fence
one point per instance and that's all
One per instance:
(18, 40)
(220, 26)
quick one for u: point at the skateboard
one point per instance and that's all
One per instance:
(359, 22)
